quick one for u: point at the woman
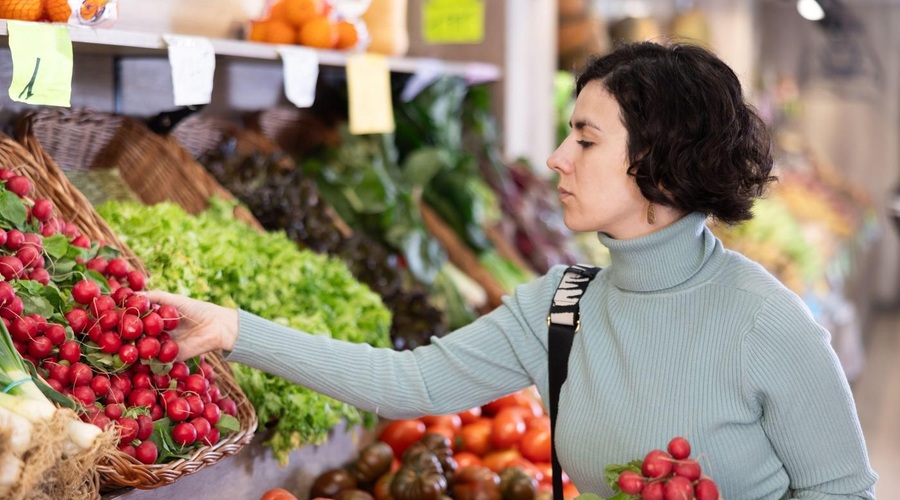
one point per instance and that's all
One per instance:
(679, 336)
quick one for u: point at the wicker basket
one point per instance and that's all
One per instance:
(120, 470)
(156, 168)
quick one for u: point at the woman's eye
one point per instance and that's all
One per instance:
(584, 144)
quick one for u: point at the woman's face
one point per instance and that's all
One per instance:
(595, 189)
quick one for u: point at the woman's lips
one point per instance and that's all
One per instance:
(563, 194)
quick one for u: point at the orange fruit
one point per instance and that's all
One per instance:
(279, 32)
(300, 12)
(22, 10)
(257, 31)
(319, 33)
(347, 35)
(58, 10)
(278, 12)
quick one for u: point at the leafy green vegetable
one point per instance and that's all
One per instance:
(214, 257)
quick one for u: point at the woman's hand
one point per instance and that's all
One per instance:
(203, 327)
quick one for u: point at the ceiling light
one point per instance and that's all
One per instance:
(810, 9)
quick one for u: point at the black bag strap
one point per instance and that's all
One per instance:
(563, 321)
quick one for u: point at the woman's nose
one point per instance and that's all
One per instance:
(557, 161)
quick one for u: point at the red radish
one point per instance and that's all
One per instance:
(115, 396)
(42, 209)
(23, 329)
(128, 429)
(145, 426)
(679, 448)
(160, 381)
(121, 294)
(214, 395)
(7, 292)
(656, 464)
(40, 275)
(40, 347)
(97, 264)
(170, 317)
(178, 409)
(228, 406)
(117, 268)
(19, 184)
(130, 328)
(94, 333)
(168, 351)
(11, 267)
(128, 353)
(114, 411)
(85, 291)
(195, 403)
(146, 452)
(15, 239)
(55, 384)
(102, 304)
(82, 242)
(5, 174)
(156, 412)
(212, 413)
(110, 342)
(13, 310)
(653, 491)
(678, 488)
(153, 324)
(184, 434)
(2, 237)
(167, 397)
(208, 371)
(706, 489)
(688, 469)
(128, 449)
(631, 482)
(84, 394)
(196, 383)
(179, 371)
(80, 374)
(212, 438)
(122, 382)
(70, 351)
(141, 368)
(203, 427)
(78, 319)
(109, 319)
(142, 397)
(100, 420)
(148, 348)
(141, 381)
(40, 322)
(136, 280)
(58, 372)
(139, 303)
(67, 228)
(28, 255)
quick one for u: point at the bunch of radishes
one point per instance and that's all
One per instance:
(668, 476)
(99, 342)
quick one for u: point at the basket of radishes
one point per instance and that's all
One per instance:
(69, 297)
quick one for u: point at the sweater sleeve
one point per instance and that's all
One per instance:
(495, 355)
(808, 412)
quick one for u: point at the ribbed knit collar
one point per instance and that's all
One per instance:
(663, 259)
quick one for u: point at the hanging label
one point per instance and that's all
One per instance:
(193, 62)
(301, 71)
(42, 63)
(453, 21)
(369, 90)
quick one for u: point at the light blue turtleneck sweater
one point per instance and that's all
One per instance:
(679, 337)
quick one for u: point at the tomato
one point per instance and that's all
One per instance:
(499, 460)
(278, 494)
(542, 422)
(535, 445)
(529, 468)
(443, 430)
(476, 437)
(508, 428)
(547, 469)
(570, 491)
(452, 421)
(399, 434)
(465, 459)
(470, 415)
(498, 404)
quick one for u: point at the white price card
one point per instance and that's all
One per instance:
(193, 61)
(301, 72)
(369, 91)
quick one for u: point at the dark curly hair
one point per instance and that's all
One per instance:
(694, 144)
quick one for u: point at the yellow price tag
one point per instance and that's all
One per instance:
(42, 63)
(369, 92)
(453, 21)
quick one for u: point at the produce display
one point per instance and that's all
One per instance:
(214, 257)
(305, 22)
(86, 12)
(283, 198)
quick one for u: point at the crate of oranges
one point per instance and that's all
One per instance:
(79, 12)
(306, 22)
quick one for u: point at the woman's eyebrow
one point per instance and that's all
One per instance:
(583, 123)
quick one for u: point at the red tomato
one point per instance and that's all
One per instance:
(499, 460)
(547, 469)
(529, 468)
(535, 445)
(452, 421)
(542, 422)
(399, 434)
(476, 437)
(441, 429)
(470, 415)
(508, 428)
(569, 491)
(278, 494)
(498, 404)
(465, 459)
